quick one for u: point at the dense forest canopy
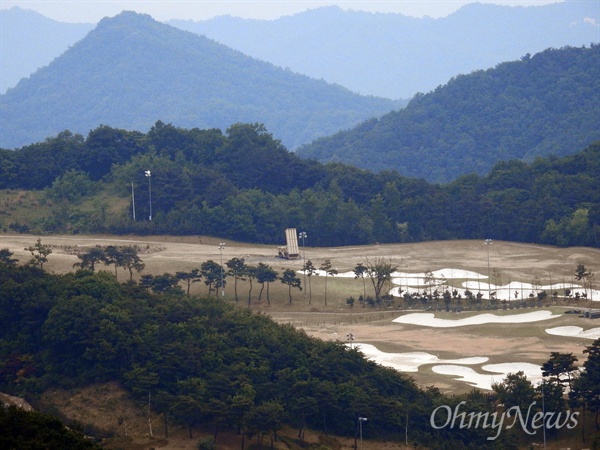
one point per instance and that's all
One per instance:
(541, 105)
(243, 184)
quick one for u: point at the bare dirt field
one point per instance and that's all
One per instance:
(327, 316)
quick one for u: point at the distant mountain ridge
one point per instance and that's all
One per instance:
(396, 56)
(541, 105)
(388, 55)
(30, 41)
(131, 71)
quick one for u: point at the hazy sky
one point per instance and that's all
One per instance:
(94, 10)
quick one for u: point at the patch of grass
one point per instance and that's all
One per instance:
(29, 211)
(21, 207)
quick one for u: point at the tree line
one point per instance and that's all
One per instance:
(214, 275)
(244, 185)
(377, 272)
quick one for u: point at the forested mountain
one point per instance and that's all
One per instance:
(396, 56)
(131, 71)
(244, 185)
(30, 41)
(545, 104)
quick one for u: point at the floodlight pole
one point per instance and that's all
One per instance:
(488, 243)
(360, 421)
(544, 414)
(221, 247)
(303, 236)
(149, 175)
(133, 201)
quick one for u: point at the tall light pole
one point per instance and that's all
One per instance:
(360, 421)
(133, 201)
(302, 235)
(221, 247)
(148, 174)
(488, 243)
(544, 413)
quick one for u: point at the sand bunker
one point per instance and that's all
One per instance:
(429, 319)
(485, 380)
(573, 331)
(473, 281)
(519, 290)
(411, 361)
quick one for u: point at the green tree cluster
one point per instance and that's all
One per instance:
(126, 257)
(244, 185)
(20, 429)
(563, 397)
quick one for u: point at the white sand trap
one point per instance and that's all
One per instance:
(523, 290)
(418, 278)
(429, 319)
(533, 372)
(410, 362)
(448, 274)
(416, 282)
(322, 273)
(419, 281)
(440, 277)
(466, 374)
(572, 331)
(485, 380)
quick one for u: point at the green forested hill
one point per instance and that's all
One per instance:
(244, 185)
(131, 71)
(203, 361)
(546, 104)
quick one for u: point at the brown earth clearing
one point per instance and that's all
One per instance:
(327, 316)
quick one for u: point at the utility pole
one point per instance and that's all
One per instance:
(148, 174)
(302, 235)
(488, 243)
(360, 421)
(221, 247)
(133, 201)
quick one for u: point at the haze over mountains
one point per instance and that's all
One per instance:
(29, 41)
(391, 55)
(132, 71)
(388, 55)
